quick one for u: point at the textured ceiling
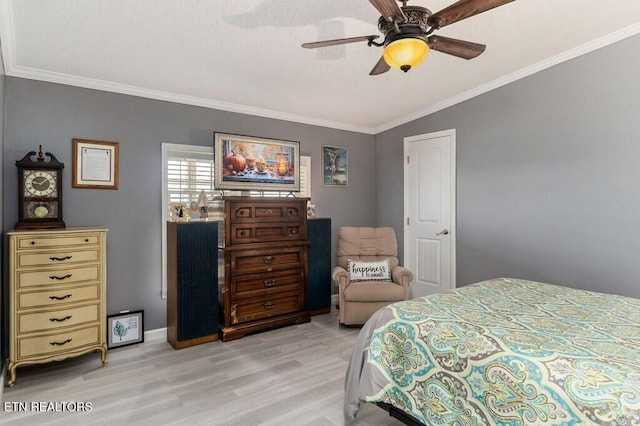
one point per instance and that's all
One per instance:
(245, 56)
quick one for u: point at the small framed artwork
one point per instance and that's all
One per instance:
(125, 328)
(334, 166)
(95, 164)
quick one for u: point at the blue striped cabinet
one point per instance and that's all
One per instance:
(192, 283)
(319, 263)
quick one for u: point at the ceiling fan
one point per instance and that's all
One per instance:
(408, 32)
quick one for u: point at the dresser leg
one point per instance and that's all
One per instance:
(103, 354)
(12, 374)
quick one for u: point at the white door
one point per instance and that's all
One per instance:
(429, 207)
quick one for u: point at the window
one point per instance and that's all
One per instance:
(188, 170)
(188, 173)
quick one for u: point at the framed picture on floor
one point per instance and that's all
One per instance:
(125, 328)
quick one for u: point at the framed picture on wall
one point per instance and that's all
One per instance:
(335, 166)
(253, 163)
(125, 328)
(95, 164)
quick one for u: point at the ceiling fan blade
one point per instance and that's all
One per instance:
(463, 9)
(338, 41)
(380, 67)
(390, 10)
(460, 48)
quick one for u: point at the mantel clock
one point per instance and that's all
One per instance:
(39, 191)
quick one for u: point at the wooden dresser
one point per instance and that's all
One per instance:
(57, 295)
(265, 264)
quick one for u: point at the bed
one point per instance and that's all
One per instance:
(504, 352)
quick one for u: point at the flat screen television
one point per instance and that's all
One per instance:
(248, 163)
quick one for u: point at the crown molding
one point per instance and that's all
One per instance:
(510, 78)
(89, 83)
(7, 42)
(7, 45)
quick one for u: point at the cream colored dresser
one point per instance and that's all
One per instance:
(57, 295)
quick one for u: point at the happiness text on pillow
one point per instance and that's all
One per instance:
(371, 271)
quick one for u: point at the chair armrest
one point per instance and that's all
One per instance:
(340, 276)
(401, 275)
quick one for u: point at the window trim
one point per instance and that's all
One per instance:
(166, 148)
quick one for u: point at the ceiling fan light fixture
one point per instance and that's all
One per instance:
(406, 53)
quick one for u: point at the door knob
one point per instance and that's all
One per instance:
(443, 232)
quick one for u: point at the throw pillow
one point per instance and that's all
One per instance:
(360, 270)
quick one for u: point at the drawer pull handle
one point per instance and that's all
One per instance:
(269, 283)
(60, 343)
(66, 296)
(268, 259)
(60, 259)
(269, 305)
(64, 277)
(269, 211)
(68, 317)
(86, 240)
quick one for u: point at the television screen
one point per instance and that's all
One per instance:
(252, 163)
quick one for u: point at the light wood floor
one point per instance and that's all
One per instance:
(289, 376)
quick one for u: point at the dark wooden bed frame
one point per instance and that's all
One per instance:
(399, 414)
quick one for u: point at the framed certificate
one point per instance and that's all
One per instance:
(95, 164)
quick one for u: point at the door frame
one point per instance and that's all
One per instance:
(453, 228)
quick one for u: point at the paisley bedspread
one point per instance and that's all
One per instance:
(502, 352)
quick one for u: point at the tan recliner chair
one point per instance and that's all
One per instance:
(359, 300)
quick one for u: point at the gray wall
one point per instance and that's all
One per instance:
(548, 175)
(52, 114)
(4, 317)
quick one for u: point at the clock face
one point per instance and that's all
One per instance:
(39, 191)
(40, 183)
(41, 209)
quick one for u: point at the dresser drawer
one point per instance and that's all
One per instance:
(32, 299)
(26, 279)
(261, 232)
(59, 342)
(254, 285)
(260, 261)
(52, 241)
(49, 320)
(266, 307)
(243, 211)
(53, 258)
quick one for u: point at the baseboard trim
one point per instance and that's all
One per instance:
(335, 298)
(158, 333)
